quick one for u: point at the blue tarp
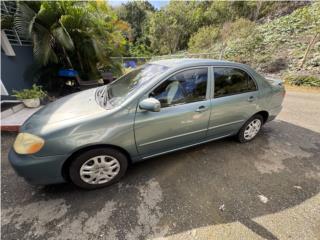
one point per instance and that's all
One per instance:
(67, 73)
(131, 64)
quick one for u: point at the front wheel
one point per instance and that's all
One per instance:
(98, 168)
(250, 129)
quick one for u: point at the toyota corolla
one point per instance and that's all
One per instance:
(90, 137)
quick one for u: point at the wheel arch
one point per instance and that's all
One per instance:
(264, 114)
(66, 164)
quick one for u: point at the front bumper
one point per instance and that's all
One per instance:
(38, 170)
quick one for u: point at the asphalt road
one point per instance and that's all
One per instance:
(268, 188)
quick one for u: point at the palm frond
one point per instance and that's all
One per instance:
(97, 50)
(24, 19)
(42, 47)
(85, 33)
(49, 13)
(63, 37)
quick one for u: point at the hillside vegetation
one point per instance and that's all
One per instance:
(278, 45)
(275, 37)
(288, 37)
(281, 38)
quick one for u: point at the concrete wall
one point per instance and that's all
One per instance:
(13, 68)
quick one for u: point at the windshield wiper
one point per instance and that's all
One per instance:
(101, 96)
(105, 95)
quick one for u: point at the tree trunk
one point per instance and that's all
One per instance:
(308, 50)
(80, 61)
(67, 57)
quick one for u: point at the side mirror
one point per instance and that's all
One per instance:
(150, 104)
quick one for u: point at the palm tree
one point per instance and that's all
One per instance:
(78, 34)
(41, 23)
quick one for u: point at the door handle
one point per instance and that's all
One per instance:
(202, 109)
(251, 99)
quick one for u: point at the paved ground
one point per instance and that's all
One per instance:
(268, 188)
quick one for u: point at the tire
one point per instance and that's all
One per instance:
(243, 136)
(98, 168)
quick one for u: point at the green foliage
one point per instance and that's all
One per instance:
(295, 23)
(79, 35)
(226, 27)
(303, 80)
(239, 29)
(284, 39)
(34, 92)
(241, 39)
(171, 28)
(288, 36)
(84, 35)
(165, 33)
(273, 9)
(136, 13)
(235, 40)
(6, 22)
(139, 50)
(220, 12)
(186, 18)
(204, 39)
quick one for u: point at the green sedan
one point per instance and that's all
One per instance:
(90, 137)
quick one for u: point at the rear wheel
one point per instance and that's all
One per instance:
(250, 129)
(98, 168)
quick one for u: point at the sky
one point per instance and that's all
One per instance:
(156, 3)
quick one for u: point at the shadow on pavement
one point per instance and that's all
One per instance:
(187, 188)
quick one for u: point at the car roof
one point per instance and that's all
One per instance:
(181, 62)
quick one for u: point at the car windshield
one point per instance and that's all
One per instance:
(118, 91)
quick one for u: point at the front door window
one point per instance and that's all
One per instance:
(184, 87)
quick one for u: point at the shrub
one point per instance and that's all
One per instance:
(204, 39)
(34, 92)
(303, 80)
(139, 50)
(241, 40)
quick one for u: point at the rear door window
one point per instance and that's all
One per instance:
(230, 81)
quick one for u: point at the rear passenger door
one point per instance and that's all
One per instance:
(234, 101)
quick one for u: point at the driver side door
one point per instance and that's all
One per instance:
(184, 115)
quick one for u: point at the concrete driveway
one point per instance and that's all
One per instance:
(265, 189)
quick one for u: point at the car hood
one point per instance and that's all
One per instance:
(72, 107)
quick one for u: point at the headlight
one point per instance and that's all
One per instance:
(27, 143)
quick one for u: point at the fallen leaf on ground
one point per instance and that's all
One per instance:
(221, 208)
(263, 198)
